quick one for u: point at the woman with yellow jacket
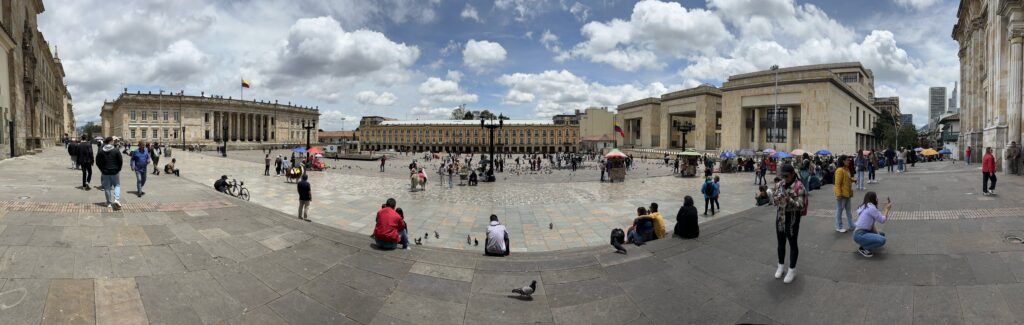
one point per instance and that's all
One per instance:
(843, 188)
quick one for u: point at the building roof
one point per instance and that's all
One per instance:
(641, 102)
(827, 66)
(336, 134)
(465, 122)
(704, 89)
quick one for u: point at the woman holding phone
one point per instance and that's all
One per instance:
(866, 234)
(791, 199)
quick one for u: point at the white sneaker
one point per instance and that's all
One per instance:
(117, 204)
(992, 192)
(789, 276)
(841, 230)
(779, 271)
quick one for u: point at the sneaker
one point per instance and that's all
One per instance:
(864, 252)
(117, 205)
(984, 193)
(789, 276)
(992, 191)
(779, 271)
(109, 205)
(841, 230)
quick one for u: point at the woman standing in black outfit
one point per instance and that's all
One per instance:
(686, 220)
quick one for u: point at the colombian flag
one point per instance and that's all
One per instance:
(619, 130)
(245, 83)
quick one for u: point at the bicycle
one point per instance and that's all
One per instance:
(237, 189)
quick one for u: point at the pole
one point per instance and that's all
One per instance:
(224, 153)
(775, 114)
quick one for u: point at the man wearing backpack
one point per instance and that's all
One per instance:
(708, 189)
(108, 161)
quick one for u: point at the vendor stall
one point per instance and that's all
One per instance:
(617, 165)
(688, 163)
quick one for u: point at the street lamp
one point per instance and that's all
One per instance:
(775, 111)
(311, 126)
(684, 128)
(491, 127)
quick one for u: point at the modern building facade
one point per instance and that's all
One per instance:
(907, 119)
(166, 118)
(660, 122)
(833, 101)
(888, 106)
(466, 136)
(34, 100)
(952, 106)
(936, 104)
(597, 129)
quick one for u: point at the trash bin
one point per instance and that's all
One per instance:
(167, 151)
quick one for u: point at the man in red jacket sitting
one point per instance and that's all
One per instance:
(988, 171)
(390, 229)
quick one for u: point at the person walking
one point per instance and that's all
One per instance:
(718, 191)
(988, 172)
(843, 189)
(305, 197)
(866, 235)
(708, 189)
(967, 154)
(277, 165)
(155, 157)
(139, 159)
(383, 159)
(861, 165)
(73, 153)
(266, 165)
(805, 170)
(108, 161)
(890, 159)
(85, 160)
(872, 160)
(901, 159)
(791, 200)
(764, 171)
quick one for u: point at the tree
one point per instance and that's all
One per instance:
(487, 115)
(458, 113)
(90, 129)
(502, 117)
(468, 116)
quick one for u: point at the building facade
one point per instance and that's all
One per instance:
(990, 34)
(515, 136)
(936, 104)
(659, 123)
(907, 119)
(597, 129)
(952, 106)
(33, 94)
(888, 106)
(814, 96)
(167, 118)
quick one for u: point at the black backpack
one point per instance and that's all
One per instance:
(618, 236)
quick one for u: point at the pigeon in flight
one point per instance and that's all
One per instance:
(436, 235)
(526, 291)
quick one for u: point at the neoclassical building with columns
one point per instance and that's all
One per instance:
(990, 34)
(166, 117)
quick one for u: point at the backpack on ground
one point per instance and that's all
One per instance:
(618, 236)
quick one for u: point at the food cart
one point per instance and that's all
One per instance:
(617, 163)
(688, 163)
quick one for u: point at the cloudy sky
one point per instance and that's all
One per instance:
(418, 59)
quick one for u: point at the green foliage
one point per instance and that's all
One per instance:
(91, 129)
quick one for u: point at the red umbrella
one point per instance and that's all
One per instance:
(316, 151)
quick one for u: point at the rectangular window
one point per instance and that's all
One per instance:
(776, 133)
(156, 116)
(167, 132)
(177, 117)
(132, 130)
(132, 115)
(165, 116)
(144, 116)
(143, 134)
(207, 134)
(858, 116)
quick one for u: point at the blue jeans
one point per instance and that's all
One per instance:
(403, 238)
(140, 179)
(843, 203)
(860, 179)
(869, 240)
(901, 165)
(111, 187)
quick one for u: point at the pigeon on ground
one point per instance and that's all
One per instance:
(619, 249)
(436, 235)
(468, 240)
(526, 291)
(418, 241)
(551, 225)
(426, 235)
(476, 242)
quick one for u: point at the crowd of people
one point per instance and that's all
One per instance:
(107, 157)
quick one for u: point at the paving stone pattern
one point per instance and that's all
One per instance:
(248, 264)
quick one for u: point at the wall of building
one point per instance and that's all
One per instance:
(597, 122)
(470, 137)
(648, 112)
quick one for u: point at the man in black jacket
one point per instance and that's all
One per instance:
(109, 162)
(85, 160)
(305, 196)
(73, 152)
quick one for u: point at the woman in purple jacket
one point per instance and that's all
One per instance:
(866, 235)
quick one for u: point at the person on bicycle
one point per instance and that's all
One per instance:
(222, 184)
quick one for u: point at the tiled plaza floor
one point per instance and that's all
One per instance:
(951, 258)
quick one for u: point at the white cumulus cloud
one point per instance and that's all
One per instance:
(480, 55)
(557, 92)
(436, 90)
(469, 12)
(370, 97)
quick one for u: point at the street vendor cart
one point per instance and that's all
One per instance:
(617, 165)
(688, 163)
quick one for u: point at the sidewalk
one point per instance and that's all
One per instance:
(247, 264)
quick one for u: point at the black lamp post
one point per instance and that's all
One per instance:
(224, 135)
(183, 138)
(312, 125)
(491, 127)
(684, 128)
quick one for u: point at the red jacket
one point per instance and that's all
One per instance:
(388, 225)
(988, 163)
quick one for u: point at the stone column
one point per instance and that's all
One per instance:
(1013, 109)
(789, 128)
(757, 128)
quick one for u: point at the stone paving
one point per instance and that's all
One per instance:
(581, 213)
(251, 265)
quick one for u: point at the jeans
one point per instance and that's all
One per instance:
(403, 238)
(871, 173)
(140, 179)
(968, 159)
(789, 231)
(984, 182)
(860, 179)
(714, 201)
(111, 187)
(86, 174)
(869, 240)
(901, 168)
(708, 201)
(450, 181)
(266, 170)
(843, 203)
(303, 209)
